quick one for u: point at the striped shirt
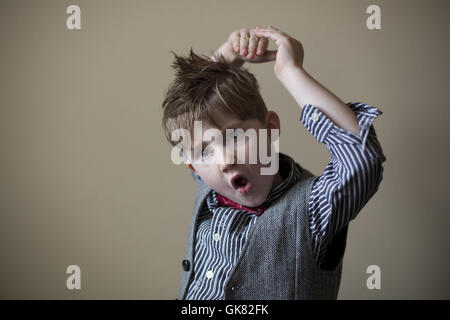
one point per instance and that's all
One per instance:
(349, 180)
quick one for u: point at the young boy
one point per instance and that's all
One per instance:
(267, 236)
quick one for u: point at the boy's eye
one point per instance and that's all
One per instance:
(208, 151)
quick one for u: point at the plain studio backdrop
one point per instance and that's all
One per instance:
(86, 176)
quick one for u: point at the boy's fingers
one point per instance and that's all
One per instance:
(235, 39)
(252, 46)
(276, 36)
(243, 43)
(262, 46)
(267, 28)
(270, 55)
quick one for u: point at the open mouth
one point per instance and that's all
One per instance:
(241, 183)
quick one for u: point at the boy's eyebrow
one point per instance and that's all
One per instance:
(232, 125)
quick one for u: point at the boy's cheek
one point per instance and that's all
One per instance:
(217, 184)
(247, 148)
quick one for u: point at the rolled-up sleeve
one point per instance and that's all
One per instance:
(349, 180)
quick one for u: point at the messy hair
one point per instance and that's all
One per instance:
(202, 87)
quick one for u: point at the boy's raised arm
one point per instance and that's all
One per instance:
(355, 171)
(301, 85)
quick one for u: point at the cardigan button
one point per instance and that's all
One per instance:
(186, 265)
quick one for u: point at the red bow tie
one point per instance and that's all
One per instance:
(259, 210)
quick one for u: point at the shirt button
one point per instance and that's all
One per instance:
(315, 116)
(209, 274)
(186, 265)
(216, 237)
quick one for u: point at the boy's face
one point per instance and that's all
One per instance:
(240, 182)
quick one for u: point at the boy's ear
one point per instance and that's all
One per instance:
(272, 121)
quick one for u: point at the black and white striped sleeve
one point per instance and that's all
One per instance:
(349, 180)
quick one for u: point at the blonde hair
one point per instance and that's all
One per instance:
(203, 87)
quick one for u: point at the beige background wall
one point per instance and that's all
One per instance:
(86, 176)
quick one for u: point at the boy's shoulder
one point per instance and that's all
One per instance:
(301, 188)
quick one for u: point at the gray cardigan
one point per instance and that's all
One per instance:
(276, 262)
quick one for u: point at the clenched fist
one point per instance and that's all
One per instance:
(250, 45)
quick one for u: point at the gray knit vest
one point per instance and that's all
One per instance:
(277, 261)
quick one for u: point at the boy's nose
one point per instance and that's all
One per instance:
(228, 160)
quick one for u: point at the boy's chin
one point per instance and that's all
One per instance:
(252, 202)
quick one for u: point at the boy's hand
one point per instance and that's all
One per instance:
(289, 51)
(245, 46)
